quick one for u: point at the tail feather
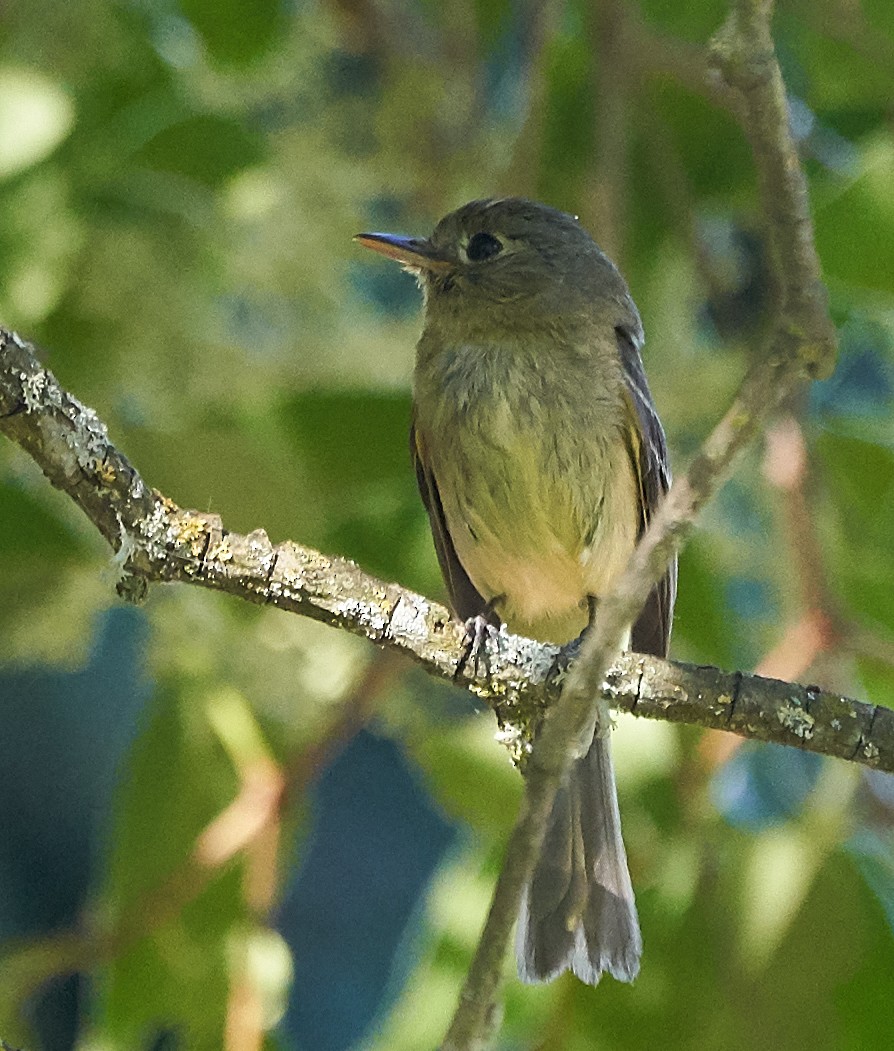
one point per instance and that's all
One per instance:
(578, 912)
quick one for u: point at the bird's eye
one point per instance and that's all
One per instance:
(482, 246)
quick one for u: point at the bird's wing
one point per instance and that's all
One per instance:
(464, 598)
(651, 632)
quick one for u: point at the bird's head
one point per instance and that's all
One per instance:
(508, 264)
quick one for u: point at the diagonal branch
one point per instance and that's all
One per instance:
(801, 344)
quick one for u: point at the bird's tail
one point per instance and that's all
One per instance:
(578, 912)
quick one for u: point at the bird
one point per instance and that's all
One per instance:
(540, 459)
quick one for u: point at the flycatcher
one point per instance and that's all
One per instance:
(540, 458)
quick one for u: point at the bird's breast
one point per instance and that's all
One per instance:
(535, 479)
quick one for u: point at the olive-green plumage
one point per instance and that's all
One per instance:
(540, 458)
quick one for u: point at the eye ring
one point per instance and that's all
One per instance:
(482, 246)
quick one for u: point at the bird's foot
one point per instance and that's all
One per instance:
(475, 648)
(570, 652)
(566, 656)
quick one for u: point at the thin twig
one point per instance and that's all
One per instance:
(801, 344)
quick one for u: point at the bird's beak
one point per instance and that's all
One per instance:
(415, 253)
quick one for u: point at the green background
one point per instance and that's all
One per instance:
(179, 183)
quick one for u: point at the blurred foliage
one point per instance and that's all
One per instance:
(179, 183)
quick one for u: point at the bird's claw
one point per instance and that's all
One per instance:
(475, 648)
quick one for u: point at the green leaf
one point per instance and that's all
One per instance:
(236, 32)
(175, 919)
(702, 619)
(206, 148)
(354, 450)
(694, 22)
(29, 530)
(859, 479)
(855, 223)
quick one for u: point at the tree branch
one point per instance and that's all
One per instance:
(158, 541)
